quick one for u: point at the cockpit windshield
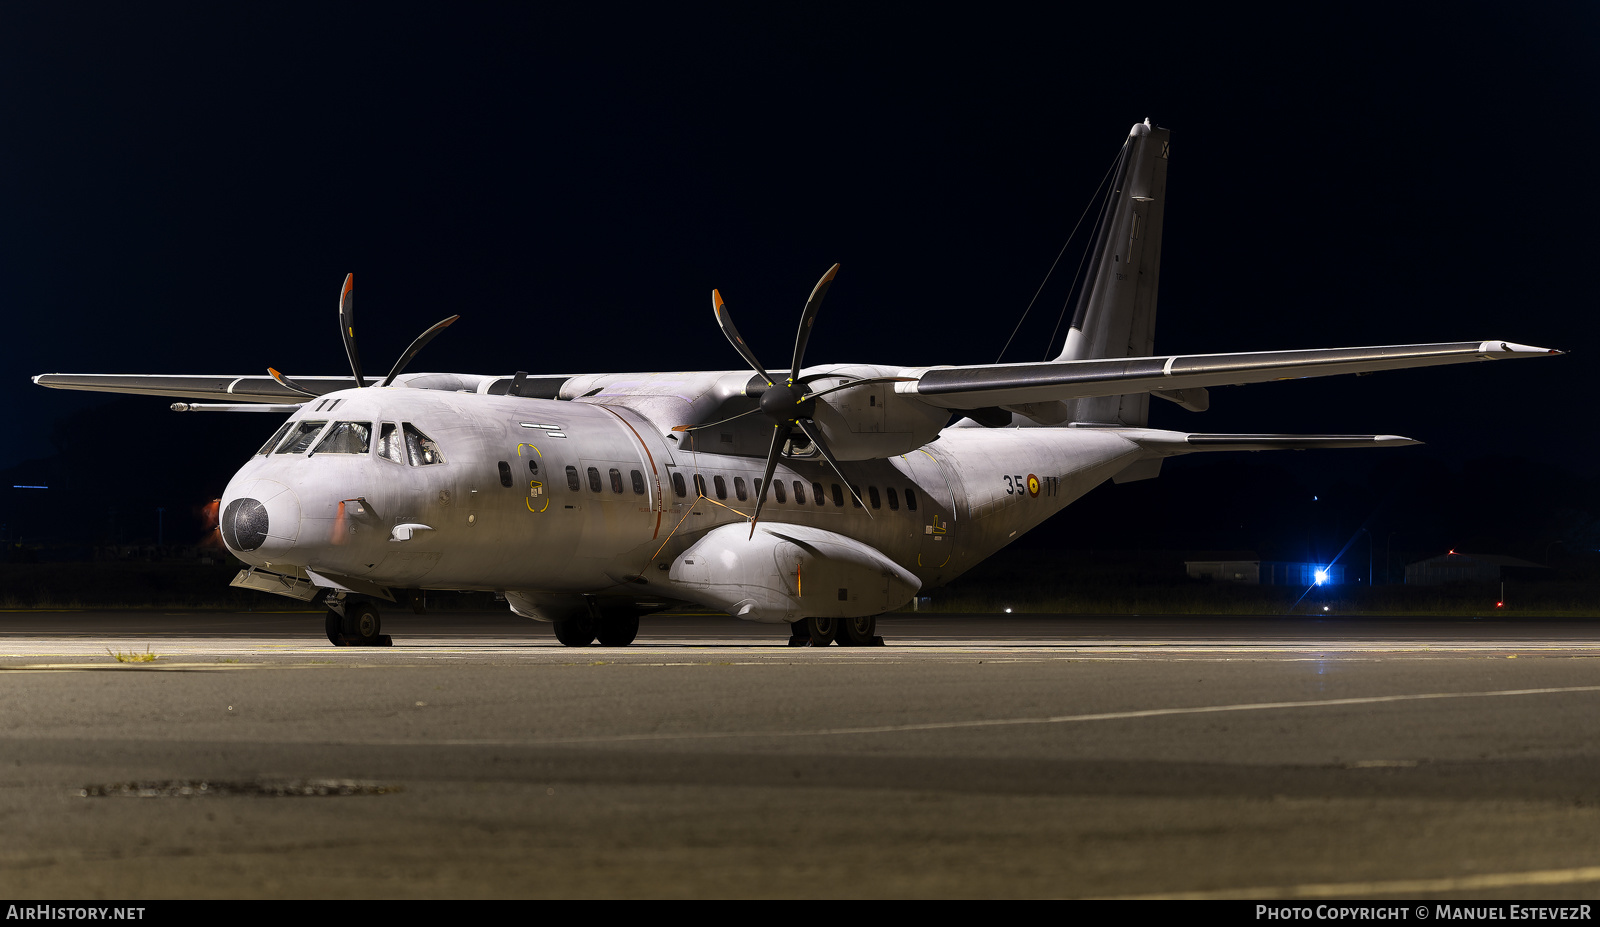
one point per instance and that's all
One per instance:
(272, 442)
(420, 448)
(346, 438)
(301, 438)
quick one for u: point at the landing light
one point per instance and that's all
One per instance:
(1008, 611)
(1322, 577)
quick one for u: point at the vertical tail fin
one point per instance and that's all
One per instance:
(1116, 311)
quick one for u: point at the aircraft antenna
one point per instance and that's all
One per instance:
(1087, 206)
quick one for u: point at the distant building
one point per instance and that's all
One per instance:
(1247, 568)
(1464, 568)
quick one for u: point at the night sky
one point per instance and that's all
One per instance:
(184, 189)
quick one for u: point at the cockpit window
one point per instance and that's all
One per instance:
(389, 443)
(346, 438)
(302, 436)
(420, 449)
(272, 442)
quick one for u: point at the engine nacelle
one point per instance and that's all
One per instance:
(788, 572)
(873, 421)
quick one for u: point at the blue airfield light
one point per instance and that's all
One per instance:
(30, 487)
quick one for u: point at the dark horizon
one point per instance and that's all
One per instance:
(186, 190)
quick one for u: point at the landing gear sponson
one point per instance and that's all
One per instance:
(846, 632)
(353, 621)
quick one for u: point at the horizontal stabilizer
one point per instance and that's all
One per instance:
(1018, 384)
(1292, 442)
(1169, 443)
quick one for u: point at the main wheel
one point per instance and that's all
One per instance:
(618, 630)
(575, 632)
(799, 636)
(335, 628)
(858, 632)
(362, 620)
(822, 630)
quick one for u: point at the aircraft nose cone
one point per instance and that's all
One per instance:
(244, 524)
(260, 520)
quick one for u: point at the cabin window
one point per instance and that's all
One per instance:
(420, 449)
(894, 499)
(777, 490)
(533, 465)
(277, 436)
(677, 485)
(346, 438)
(594, 479)
(838, 496)
(739, 490)
(572, 479)
(855, 495)
(699, 486)
(389, 447)
(817, 494)
(301, 438)
(638, 483)
(911, 499)
(616, 480)
(505, 474)
(799, 493)
(722, 486)
(872, 496)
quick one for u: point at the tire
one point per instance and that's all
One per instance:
(575, 632)
(618, 630)
(335, 628)
(822, 630)
(362, 620)
(798, 635)
(858, 632)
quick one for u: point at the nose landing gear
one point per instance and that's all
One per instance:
(354, 622)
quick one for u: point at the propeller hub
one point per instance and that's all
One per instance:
(782, 403)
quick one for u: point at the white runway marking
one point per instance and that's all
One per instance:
(1401, 887)
(31, 647)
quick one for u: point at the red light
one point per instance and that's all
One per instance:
(1499, 605)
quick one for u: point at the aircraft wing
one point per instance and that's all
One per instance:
(1017, 384)
(255, 388)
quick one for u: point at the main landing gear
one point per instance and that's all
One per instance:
(354, 622)
(613, 627)
(846, 632)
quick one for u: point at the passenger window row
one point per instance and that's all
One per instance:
(780, 493)
(614, 478)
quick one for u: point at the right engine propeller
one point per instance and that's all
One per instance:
(789, 406)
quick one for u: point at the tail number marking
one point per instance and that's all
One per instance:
(1031, 485)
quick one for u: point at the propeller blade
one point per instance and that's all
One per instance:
(808, 317)
(725, 320)
(780, 434)
(714, 424)
(815, 434)
(419, 344)
(291, 385)
(347, 325)
(862, 382)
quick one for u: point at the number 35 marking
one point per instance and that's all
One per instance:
(1016, 485)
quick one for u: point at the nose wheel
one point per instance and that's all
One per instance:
(352, 622)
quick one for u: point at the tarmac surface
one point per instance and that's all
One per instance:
(1016, 756)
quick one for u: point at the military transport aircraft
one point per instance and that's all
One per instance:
(817, 497)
